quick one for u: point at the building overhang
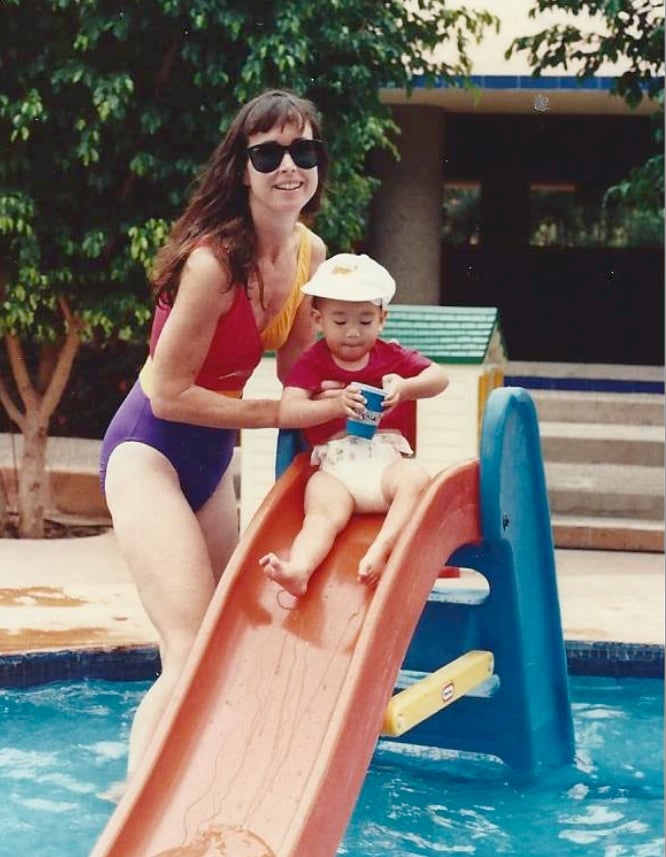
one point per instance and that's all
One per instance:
(522, 94)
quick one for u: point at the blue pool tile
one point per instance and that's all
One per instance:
(142, 663)
(590, 385)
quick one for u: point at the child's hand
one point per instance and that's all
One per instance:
(393, 387)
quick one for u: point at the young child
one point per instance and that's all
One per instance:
(351, 294)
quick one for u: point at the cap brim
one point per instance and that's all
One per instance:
(352, 296)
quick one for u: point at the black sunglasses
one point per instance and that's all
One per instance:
(267, 157)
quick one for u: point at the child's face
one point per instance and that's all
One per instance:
(349, 328)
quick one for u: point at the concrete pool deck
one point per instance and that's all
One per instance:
(63, 594)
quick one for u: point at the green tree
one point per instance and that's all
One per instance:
(631, 32)
(107, 110)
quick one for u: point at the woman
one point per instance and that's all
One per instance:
(228, 288)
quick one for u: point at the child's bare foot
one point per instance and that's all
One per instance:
(294, 580)
(372, 564)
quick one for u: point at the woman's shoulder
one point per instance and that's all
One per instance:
(206, 279)
(203, 260)
(204, 267)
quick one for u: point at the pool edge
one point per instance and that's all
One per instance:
(142, 663)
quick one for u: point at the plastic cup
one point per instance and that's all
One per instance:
(365, 425)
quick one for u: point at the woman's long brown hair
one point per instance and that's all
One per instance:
(218, 212)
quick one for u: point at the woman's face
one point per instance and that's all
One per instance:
(286, 186)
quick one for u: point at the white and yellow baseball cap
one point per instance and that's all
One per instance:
(348, 277)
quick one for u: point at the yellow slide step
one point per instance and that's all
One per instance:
(434, 692)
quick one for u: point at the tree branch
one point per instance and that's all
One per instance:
(64, 362)
(26, 391)
(12, 411)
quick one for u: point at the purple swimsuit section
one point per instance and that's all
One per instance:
(200, 455)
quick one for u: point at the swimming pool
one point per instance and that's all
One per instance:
(62, 744)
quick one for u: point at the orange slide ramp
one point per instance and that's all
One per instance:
(265, 747)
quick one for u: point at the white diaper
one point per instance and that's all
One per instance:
(359, 463)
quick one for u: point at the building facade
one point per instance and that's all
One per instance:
(497, 200)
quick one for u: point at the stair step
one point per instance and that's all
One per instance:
(606, 408)
(607, 533)
(615, 490)
(599, 443)
(602, 438)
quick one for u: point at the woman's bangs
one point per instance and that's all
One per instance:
(277, 113)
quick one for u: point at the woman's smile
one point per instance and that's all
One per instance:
(290, 185)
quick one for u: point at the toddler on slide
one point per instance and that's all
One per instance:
(351, 294)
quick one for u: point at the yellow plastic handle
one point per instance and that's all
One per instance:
(437, 690)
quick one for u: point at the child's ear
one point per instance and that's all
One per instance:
(316, 317)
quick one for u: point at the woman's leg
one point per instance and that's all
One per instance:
(163, 544)
(218, 519)
(328, 508)
(403, 484)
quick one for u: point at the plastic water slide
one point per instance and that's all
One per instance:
(267, 741)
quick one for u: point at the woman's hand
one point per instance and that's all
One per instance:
(329, 390)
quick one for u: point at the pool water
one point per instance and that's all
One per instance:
(61, 745)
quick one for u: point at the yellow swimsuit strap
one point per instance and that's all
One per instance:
(276, 333)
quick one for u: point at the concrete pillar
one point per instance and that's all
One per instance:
(407, 211)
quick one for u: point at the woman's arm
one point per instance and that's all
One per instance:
(299, 410)
(203, 296)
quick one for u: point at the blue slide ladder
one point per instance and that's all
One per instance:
(522, 713)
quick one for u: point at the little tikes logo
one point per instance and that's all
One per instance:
(448, 691)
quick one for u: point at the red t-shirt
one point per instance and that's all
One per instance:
(317, 365)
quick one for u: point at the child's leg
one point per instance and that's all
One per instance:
(328, 508)
(403, 483)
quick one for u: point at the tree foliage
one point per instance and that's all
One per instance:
(107, 111)
(630, 32)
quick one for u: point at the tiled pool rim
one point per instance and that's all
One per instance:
(587, 385)
(141, 663)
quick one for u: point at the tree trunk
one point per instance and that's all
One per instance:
(32, 481)
(39, 400)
